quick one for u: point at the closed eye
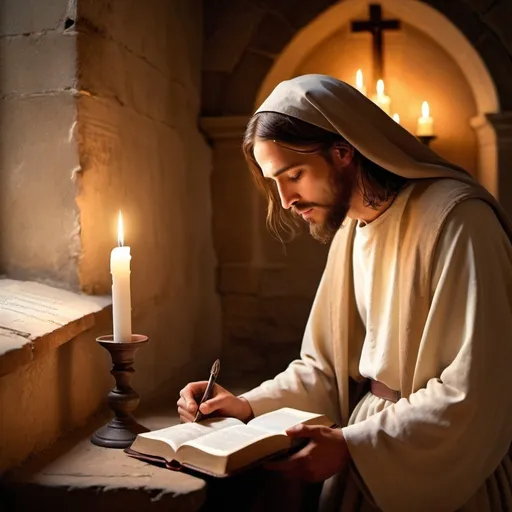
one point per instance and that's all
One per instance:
(295, 176)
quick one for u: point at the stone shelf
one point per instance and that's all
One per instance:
(36, 317)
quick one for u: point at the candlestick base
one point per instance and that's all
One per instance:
(122, 430)
(426, 139)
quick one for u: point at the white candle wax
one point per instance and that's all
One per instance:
(425, 126)
(380, 99)
(359, 82)
(121, 297)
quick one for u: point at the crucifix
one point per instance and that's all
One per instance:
(376, 26)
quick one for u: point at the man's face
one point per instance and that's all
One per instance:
(307, 183)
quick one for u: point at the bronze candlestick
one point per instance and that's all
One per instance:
(121, 431)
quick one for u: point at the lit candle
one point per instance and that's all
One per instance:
(121, 298)
(380, 99)
(359, 82)
(396, 118)
(425, 122)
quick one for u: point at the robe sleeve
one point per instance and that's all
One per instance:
(433, 450)
(308, 383)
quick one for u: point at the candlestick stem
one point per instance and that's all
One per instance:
(426, 139)
(122, 430)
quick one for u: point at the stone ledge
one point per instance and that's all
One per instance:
(74, 474)
(35, 318)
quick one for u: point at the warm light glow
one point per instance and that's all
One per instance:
(359, 79)
(380, 87)
(396, 118)
(425, 110)
(120, 230)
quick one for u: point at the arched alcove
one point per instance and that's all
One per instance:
(428, 58)
(417, 14)
(266, 292)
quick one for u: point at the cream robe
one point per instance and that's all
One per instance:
(435, 296)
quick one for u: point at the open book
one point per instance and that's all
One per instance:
(222, 446)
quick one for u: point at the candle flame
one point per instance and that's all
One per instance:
(120, 230)
(396, 118)
(380, 87)
(425, 110)
(359, 79)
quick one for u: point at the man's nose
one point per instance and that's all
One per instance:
(288, 195)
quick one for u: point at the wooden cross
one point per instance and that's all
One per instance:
(376, 26)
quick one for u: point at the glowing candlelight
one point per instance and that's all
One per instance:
(425, 122)
(380, 99)
(359, 82)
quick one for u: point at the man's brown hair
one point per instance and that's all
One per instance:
(377, 184)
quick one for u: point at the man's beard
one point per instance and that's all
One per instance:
(342, 185)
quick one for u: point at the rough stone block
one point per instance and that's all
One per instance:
(233, 29)
(499, 64)
(28, 16)
(272, 35)
(233, 232)
(464, 18)
(482, 6)
(15, 351)
(298, 13)
(274, 335)
(38, 215)
(290, 281)
(238, 280)
(243, 88)
(238, 308)
(499, 19)
(37, 64)
(214, 85)
(288, 312)
(165, 34)
(35, 317)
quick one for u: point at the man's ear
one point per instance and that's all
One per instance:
(342, 153)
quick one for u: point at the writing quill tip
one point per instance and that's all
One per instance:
(215, 367)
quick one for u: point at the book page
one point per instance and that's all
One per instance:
(176, 435)
(282, 419)
(229, 440)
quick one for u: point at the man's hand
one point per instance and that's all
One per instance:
(325, 455)
(222, 403)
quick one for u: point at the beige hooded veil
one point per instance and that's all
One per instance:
(338, 107)
(319, 379)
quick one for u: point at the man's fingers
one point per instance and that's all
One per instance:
(299, 431)
(192, 394)
(185, 416)
(191, 407)
(213, 404)
(292, 462)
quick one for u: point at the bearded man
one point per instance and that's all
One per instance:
(415, 301)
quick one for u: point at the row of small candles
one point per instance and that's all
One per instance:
(425, 126)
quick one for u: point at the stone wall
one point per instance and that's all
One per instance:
(38, 157)
(99, 113)
(141, 152)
